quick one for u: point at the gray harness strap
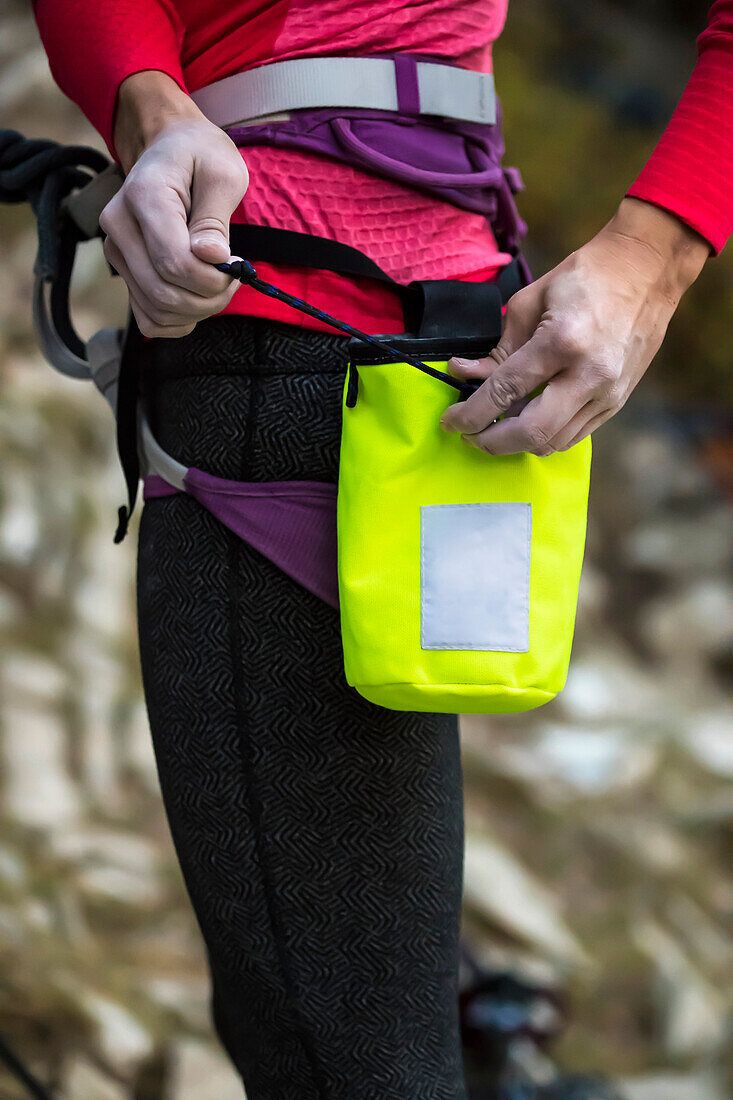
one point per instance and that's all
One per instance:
(378, 83)
(103, 354)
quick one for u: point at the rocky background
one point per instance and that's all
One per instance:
(599, 828)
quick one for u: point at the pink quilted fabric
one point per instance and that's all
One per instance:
(409, 234)
(461, 30)
(198, 42)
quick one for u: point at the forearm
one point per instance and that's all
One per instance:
(668, 253)
(148, 103)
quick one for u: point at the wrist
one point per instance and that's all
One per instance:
(147, 103)
(669, 251)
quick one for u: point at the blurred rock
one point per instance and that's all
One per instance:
(119, 865)
(692, 1013)
(675, 1086)
(12, 869)
(652, 844)
(696, 620)
(30, 678)
(123, 1041)
(188, 998)
(100, 679)
(20, 529)
(200, 1072)
(507, 894)
(107, 846)
(683, 546)
(137, 749)
(593, 592)
(709, 739)
(583, 761)
(83, 1081)
(660, 469)
(697, 929)
(23, 76)
(12, 927)
(610, 686)
(38, 788)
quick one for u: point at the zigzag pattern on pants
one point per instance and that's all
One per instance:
(320, 836)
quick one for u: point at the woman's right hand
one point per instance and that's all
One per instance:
(169, 222)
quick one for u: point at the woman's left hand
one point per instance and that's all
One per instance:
(586, 332)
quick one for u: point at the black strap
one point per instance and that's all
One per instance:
(284, 246)
(452, 309)
(127, 397)
(432, 306)
(513, 277)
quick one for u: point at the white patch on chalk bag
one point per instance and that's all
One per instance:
(474, 576)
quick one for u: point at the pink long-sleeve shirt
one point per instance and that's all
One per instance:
(93, 45)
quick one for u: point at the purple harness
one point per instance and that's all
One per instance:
(458, 162)
(294, 523)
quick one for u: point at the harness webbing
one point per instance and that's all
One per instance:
(484, 314)
(245, 272)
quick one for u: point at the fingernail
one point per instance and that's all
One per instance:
(210, 238)
(467, 364)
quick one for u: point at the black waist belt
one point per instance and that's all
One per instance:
(439, 310)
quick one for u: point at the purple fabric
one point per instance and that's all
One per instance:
(408, 89)
(293, 523)
(459, 162)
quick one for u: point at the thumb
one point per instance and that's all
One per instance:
(216, 191)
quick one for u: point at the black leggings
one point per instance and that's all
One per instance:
(320, 836)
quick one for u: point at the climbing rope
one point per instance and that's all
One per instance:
(44, 173)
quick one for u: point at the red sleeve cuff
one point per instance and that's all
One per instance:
(93, 45)
(690, 171)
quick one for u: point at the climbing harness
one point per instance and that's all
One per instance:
(456, 573)
(388, 82)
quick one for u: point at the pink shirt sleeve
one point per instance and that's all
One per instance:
(690, 173)
(93, 45)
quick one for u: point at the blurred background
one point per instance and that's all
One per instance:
(599, 828)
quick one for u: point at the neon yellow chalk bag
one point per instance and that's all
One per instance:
(458, 571)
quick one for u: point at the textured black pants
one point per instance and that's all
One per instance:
(320, 836)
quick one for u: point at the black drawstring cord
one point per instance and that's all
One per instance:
(245, 272)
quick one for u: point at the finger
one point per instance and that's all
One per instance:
(536, 427)
(116, 260)
(468, 369)
(529, 367)
(216, 191)
(590, 426)
(472, 369)
(563, 440)
(167, 246)
(148, 325)
(152, 328)
(521, 317)
(150, 226)
(165, 303)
